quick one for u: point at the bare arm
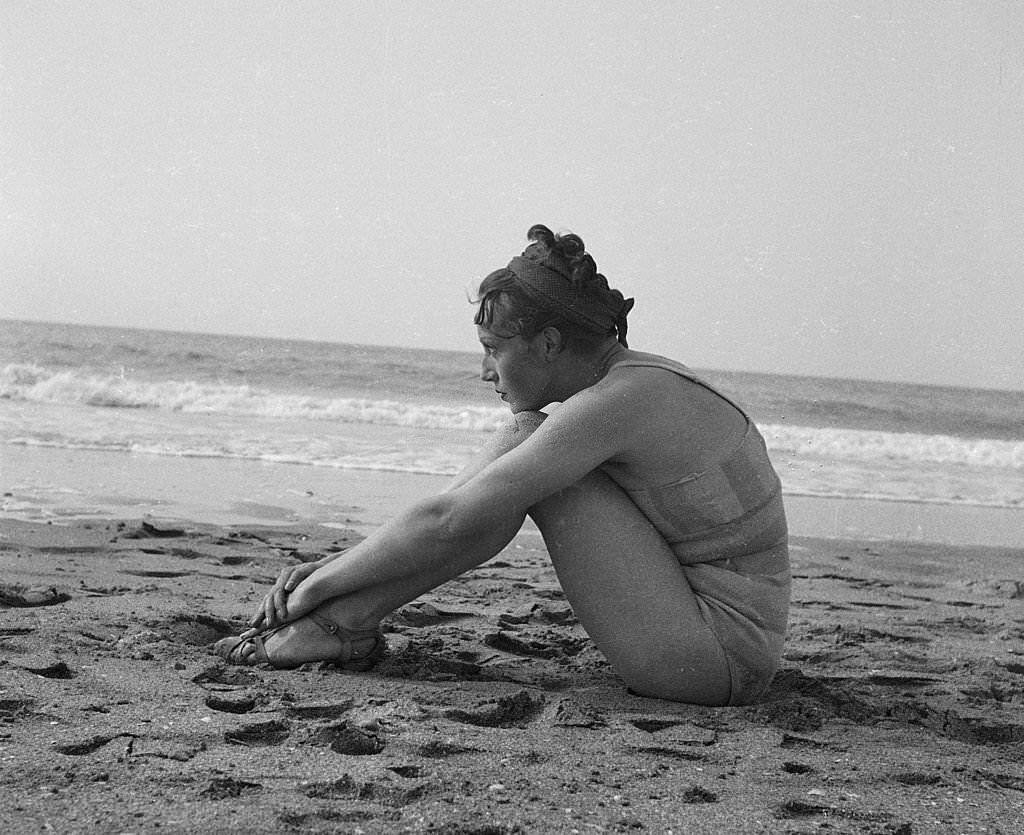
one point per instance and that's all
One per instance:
(426, 537)
(473, 519)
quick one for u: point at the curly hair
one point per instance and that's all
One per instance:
(582, 307)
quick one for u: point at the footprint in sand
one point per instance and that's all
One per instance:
(409, 772)
(376, 790)
(319, 710)
(429, 660)
(699, 794)
(90, 745)
(440, 749)
(792, 767)
(15, 708)
(222, 788)
(515, 711)
(194, 630)
(571, 713)
(273, 732)
(791, 741)
(43, 666)
(224, 677)
(506, 642)
(538, 613)
(797, 702)
(149, 531)
(344, 738)
(673, 737)
(16, 596)
(231, 702)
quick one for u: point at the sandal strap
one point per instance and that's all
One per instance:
(261, 649)
(347, 636)
(231, 653)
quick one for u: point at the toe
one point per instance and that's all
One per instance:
(234, 649)
(225, 647)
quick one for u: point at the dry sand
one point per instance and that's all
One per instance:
(900, 707)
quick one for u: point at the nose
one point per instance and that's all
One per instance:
(487, 372)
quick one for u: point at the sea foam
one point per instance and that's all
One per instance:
(32, 383)
(35, 384)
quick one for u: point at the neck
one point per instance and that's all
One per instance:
(583, 370)
(609, 356)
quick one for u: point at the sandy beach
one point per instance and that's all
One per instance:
(899, 708)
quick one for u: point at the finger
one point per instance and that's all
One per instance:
(269, 611)
(281, 605)
(256, 620)
(298, 575)
(259, 618)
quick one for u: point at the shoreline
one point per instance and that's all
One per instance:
(49, 483)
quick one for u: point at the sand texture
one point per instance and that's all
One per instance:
(900, 707)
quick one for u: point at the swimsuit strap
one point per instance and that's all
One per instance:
(681, 370)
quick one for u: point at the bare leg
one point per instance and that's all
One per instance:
(626, 587)
(302, 640)
(369, 605)
(619, 575)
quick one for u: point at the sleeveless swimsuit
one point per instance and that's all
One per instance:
(727, 527)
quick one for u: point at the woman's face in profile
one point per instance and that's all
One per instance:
(514, 367)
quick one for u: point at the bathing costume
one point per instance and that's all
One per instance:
(727, 527)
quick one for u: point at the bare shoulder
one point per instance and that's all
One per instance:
(622, 408)
(640, 378)
(620, 390)
(669, 410)
(654, 379)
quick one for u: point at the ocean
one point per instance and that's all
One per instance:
(358, 407)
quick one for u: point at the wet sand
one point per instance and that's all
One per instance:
(899, 708)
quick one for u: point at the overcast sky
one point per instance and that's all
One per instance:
(827, 188)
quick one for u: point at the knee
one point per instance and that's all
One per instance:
(512, 434)
(522, 425)
(527, 422)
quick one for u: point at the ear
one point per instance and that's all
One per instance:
(552, 342)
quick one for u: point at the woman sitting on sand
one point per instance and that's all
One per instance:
(657, 502)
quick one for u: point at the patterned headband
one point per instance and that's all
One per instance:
(545, 278)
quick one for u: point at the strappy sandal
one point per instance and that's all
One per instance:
(346, 659)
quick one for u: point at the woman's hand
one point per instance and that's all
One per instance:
(273, 611)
